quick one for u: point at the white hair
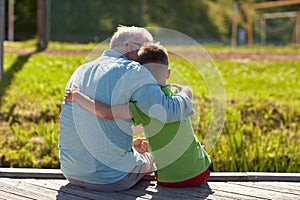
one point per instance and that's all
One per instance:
(125, 34)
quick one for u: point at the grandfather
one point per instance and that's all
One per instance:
(98, 154)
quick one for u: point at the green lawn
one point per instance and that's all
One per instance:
(261, 130)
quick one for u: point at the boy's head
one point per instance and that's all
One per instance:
(155, 57)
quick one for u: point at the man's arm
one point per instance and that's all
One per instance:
(153, 102)
(96, 107)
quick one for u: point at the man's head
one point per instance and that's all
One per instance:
(128, 40)
(155, 57)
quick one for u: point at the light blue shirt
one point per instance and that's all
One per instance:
(100, 151)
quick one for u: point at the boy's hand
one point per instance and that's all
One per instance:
(69, 96)
(140, 145)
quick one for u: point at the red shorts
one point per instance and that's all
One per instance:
(193, 182)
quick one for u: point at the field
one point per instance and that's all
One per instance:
(261, 129)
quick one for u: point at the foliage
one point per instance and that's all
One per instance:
(95, 20)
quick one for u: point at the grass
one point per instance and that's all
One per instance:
(261, 130)
(31, 95)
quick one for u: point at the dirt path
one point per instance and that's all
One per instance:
(217, 56)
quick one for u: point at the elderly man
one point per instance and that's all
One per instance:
(99, 154)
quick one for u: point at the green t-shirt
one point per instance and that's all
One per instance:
(177, 153)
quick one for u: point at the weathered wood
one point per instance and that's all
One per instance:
(30, 188)
(9, 195)
(31, 173)
(254, 176)
(272, 186)
(253, 192)
(46, 184)
(263, 5)
(265, 176)
(215, 176)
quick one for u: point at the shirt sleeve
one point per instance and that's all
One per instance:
(153, 102)
(138, 116)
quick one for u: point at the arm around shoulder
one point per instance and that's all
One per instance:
(153, 102)
(98, 108)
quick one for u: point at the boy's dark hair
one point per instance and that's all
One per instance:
(152, 52)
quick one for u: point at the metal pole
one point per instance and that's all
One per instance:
(297, 29)
(234, 23)
(43, 23)
(11, 19)
(263, 34)
(249, 24)
(2, 36)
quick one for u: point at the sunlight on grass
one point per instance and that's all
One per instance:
(261, 132)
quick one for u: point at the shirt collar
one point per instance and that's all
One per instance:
(113, 53)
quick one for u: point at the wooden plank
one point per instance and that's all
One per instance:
(215, 176)
(273, 186)
(279, 15)
(31, 173)
(220, 186)
(9, 195)
(291, 185)
(54, 184)
(222, 176)
(80, 192)
(223, 189)
(61, 189)
(273, 4)
(167, 193)
(258, 192)
(26, 185)
(64, 196)
(253, 176)
(17, 190)
(265, 176)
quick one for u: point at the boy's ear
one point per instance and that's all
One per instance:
(168, 74)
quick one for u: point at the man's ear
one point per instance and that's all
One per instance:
(129, 46)
(168, 74)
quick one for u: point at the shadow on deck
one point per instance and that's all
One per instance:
(50, 184)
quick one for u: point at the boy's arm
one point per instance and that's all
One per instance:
(98, 108)
(137, 129)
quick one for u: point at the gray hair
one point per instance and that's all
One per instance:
(125, 34)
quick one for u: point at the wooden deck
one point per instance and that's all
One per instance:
(50, 184)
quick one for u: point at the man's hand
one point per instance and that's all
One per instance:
(140, 145)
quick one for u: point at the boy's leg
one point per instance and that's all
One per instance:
(193, 182)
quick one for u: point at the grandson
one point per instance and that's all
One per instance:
(180, 159)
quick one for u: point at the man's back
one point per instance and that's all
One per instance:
(92, 149)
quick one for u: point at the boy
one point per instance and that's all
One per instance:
(180, 159)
